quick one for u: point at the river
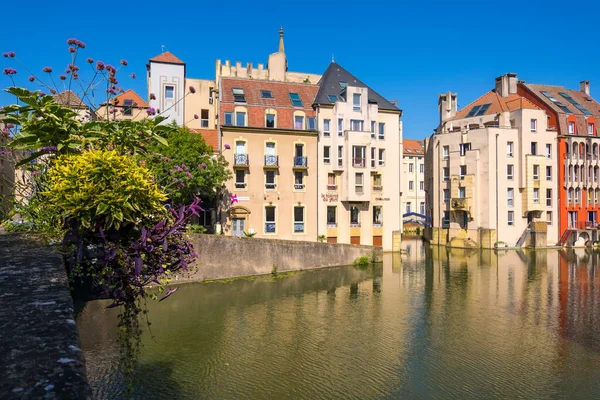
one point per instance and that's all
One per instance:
(429, 323)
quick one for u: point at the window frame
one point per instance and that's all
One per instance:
(327, 159)
(356, 96)
(172, 87)
(359, 188)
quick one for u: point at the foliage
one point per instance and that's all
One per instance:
(249, 234)
(321, 238)
(374, 258)
(196, 228)
(102, 188)
(187, 167)
(362, 262)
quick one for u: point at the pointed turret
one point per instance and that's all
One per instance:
(281, 47)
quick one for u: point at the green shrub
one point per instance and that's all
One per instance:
(248, 234)
(197, 228)
(362, 262)
(321, 238)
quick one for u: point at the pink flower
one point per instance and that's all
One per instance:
(189, 175)
(192, 90)
(5, 54)
(47, 69)
(100, 66)
(195, 116)
(72, 49)
(151, 111)
(90, 60)
(133, 76)
(202, 165)
(9, 71)
(124, 63)
(31, 78)
(234, 198)
(227, 147)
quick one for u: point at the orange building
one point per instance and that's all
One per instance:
(572, 114)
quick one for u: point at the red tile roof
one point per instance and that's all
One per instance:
(412, 147)
(210, 136)
(280, 91)
(131, 95)
(167, 57)
(497, 104)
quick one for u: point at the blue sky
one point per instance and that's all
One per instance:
(409, 51)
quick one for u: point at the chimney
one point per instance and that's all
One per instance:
(584, 86)
(447, 106)
(506, 84)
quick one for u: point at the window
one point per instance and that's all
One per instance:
(298, 180)
(240, 147)
(446, 152)
(358, 183)
(228, 118)
(270, 120)
(331, 216)
(356, 125)
(270, 219)
(590, 129)
(239, 96)
(549, 217)
(446, 195)
(240, 179)
(381, 157)
(445, 219)
(548, 150)
(343, 84)
(296, 101)
(509, 149)
(270, 180)
(377, 182)
(421, 185)
(463, 171)
(462, 193)
(410, 167)
(354, 216)
(410, 185)
(536, 195)
(204, 118)
(422, 168)
(381, 130)
(548, 197)
(408, 207)
(548, 173)
(326, 154)
(536, 172)
(128, 106)
(464, 147)
(356, 102)
(340, 127)
(240, 118)
(373, 157)
(510, 194)
(298, 122)
(169, 92)
(373, 123)
(298, 219)
(331, 184)
(510, 171)
(577, 195)
(326, 127)
(534, 125)
(422, 207)
(478, 110)
(312, 125)
(534, 148)
(332, 98)
(571, 128)
(359, 156)
(266, 94)
(377, 216)
(511, 218)
(340, 156)
(446, 173)
(570, 196)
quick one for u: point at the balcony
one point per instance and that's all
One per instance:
(460, 204)
(377, 188)
(271, 161)
(359, 162)
(332, 188)
(240, 160)
(299, 186)
(270, 186)
(270, 227)
(300, 162)
(298, 227)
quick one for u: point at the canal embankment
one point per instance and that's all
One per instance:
(41, 354)
(223, 257)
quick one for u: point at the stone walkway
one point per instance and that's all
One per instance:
(40, 357)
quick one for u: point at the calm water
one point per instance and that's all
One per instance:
(428, 324)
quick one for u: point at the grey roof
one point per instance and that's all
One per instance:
(330, 85)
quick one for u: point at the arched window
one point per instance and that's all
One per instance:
(270, 118)
(570, 174)
(581, 147)
(577, 196)
(595, 150)
(575, 149)
(570, 197)
(576, 173)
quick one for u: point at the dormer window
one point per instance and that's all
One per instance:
(332, 98)
(343, 84)
(296, 101)
(266, 94)
(239, 96)
(128, 106)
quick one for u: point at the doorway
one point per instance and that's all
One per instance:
(238, 226)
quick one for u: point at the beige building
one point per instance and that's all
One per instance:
(360, 143)
(128, 106)
(491, 171)
(413, 177)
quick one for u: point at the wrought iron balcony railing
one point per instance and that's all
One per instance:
(298, 227)
(300, 162)
(240, 159)
(271, 161)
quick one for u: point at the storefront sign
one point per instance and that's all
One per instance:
(328, 197)
(382, 198)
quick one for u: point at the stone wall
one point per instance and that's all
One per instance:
(222, 257)
(41, 356)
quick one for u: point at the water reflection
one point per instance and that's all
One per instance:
(430, 323)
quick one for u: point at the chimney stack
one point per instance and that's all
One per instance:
(584, 86)
(447, 104)
(506, 84)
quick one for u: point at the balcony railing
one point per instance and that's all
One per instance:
(240, 185)
(359, 162)
(331, 187)
(271, 161)
(270, 227)
(270, 186)
(300, 162)
(377, 224)
(298, 227)
(377, 188)
(298, 186)
(240, 159)
(332, 224)
(460, 203)
(354, 224)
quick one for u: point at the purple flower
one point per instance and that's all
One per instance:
(76, 42)
(43, 94)
(185, 167)
(62, 77)
(9, 71)
(178, 168)
(11, 54)
(31, 78)
(5, 54)
(124, 63)
(100, 66)
(133, 76)
(72, 49)
(192, 90)
(202, 165)
(175, 180)
(110, 68)
(195, 116)
(90, 60)
(47, 69)
(51, 91)
(227, 147)
(6, 131)
(152, 96)
(151, 111)
(49, 149)
(67, 71)
(189, 175)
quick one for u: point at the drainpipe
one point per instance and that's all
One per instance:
(497, 227)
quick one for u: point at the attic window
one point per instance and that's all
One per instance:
(343, 84)
(576, 104)
(296, 101)
(557, 103)
(239, 96)
(332, 98)
(266, 94)
(128, 106)
(478, 110)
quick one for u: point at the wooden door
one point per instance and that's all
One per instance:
(355, 239)
(378, 241)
